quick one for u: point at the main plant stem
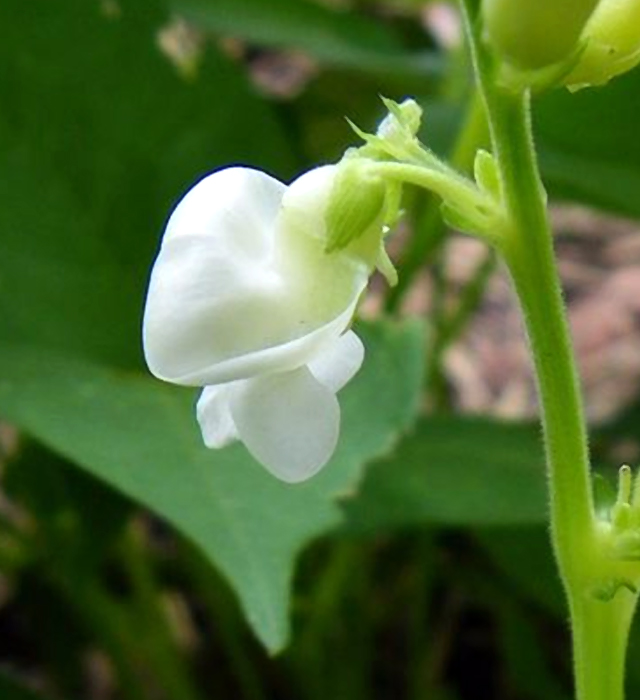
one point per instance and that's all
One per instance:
(599, 628)
(600, 635)
(528, 252)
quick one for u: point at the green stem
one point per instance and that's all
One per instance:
(599, 628)
(448, 185)
(431, 228)
(601, 632)
(528, 252)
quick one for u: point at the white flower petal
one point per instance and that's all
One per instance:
(335, 365)
(224, 304)
(205, 307)
(214, 415)
(237, 206)
(288, 421)
(305, 201)
(213, 279)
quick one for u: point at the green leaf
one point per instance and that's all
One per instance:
(141, 437)
(75, 516)
(455, 471)
(12, 689)
(100, 136)
(338, 38)
(589, 146)
(524, 555)
(527, 658)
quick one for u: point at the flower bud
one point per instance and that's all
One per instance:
(532, 34)
(612, 43)
(403, 120)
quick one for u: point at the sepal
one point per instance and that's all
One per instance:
(486, 174)
(612, 44)
(397, 136)
(356, 205)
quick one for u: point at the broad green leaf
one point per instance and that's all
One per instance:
(589, 146)
(338, 38)
(100, 136)
(140, 436)
(455, 471)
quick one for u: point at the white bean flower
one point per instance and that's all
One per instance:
(247, 300)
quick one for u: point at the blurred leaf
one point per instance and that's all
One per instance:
(589, 146)
(525, 556)
(633, 668)
(455, 471)
(141, 436)
(99, 136)
(441, 123)
(527, 658)
(12, 689)
(337, 38)
(587, 142)
(76, 517)
(320, 109)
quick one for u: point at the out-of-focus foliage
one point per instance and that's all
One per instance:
(423, 536)
(433, 477)
(587, 146)
(337, 38)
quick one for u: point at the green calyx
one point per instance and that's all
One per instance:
(356, 205)
(362, 209)
(365, 199)
(364, 205)
(397, 136)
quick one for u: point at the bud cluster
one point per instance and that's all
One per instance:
(619, 537)
(576, 43)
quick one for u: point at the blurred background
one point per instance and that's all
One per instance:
(136, 564)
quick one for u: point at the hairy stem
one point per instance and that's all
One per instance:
(432, 228)
(600, 628)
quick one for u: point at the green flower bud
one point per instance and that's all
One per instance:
(532, 34)
(403, 120)
(612, 43)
